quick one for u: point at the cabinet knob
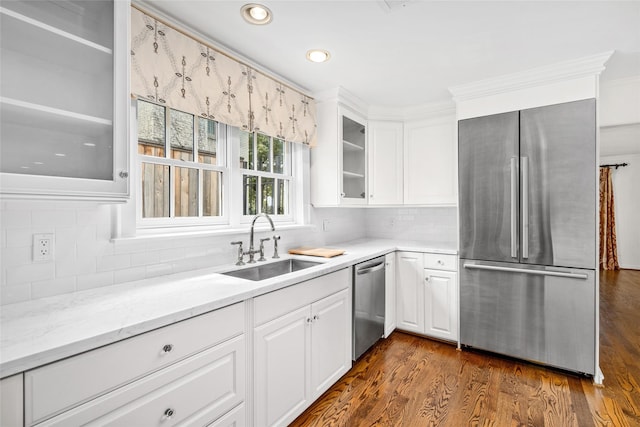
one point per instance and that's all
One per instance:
(167, 348)
(371, 196)
(124, 174)
(426, 278)
(309, 320)
(169, 412)
(440, 262)
(342, 194)
(316, 317)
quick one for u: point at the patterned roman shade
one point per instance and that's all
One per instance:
(171, 68)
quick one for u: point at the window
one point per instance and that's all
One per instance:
(182, 166)
(265, 163)
(195, 171)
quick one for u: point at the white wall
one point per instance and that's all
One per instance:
(626, 193)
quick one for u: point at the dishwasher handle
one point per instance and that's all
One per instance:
(371, 269)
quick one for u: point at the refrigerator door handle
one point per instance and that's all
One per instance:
(522, 270)
(514, 206)
(524, 169)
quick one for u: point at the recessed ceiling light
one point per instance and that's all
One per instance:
(89, 144)
(60, 154)
(38, 163)
(256, 14)
(318, 55)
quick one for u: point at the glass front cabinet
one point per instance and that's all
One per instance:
(339, 160)
(64, 99)
(353, 145)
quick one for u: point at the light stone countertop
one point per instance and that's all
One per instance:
(38, 332)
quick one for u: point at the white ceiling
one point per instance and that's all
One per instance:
(410, 53)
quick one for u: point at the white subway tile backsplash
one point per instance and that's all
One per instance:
(47, 218)
(90, 281)
(14, 294)
(113, 262)
(19, 237)
(47, 288)
(159, 270)
(85, 256)
(129, 274)
(30, 273)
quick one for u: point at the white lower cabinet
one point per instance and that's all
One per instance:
(11, 401)
(427, 294)
(440, 302)
(188, 373)
(300, 353)
(389, 294)
(410, 292)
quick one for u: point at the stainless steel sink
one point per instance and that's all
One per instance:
(274, 269)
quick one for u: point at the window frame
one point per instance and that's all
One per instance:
(222, 153)
(231, 180)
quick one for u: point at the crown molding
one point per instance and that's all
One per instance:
(582, 67)
(414, 112)
(344, 97)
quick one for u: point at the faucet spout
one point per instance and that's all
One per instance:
(255, 218)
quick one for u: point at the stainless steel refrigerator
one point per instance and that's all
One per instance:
(527, 202)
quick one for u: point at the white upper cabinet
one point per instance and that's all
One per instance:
(339, 161)
(430, 162)
(64, 103)
(385, 163)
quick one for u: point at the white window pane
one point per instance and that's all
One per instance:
(181, 135)
(155, 190)
(212, 200)
(264, 155)
(207, 141)
(267, 195)
(151, 129)
(186, 192)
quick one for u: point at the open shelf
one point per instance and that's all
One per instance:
(348, 174)
(350, 146)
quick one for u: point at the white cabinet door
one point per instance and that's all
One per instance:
(11, 401)
(330, 341)
(282, 361)
(65, 115)
(430, 168)
(410, 292)
(385, 163)
(441, 302)
(390, 294)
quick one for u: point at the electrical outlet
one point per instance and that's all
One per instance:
(325, 225)
(43, 247)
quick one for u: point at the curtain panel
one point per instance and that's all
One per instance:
(608, 244)
(171, 68)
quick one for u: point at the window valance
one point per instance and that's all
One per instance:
(171, 68)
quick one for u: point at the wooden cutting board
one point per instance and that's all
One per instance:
(321, 252)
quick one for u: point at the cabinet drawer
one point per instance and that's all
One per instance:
(440, 262)
(192, 392)
(60, 386)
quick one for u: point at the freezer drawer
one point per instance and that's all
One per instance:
(541, 314)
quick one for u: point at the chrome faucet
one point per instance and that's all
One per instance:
(251, 252)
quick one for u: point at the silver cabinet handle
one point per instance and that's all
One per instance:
(167, 348)
(524, 165)
(525, 271)
(514, 206)
(124, 174)
(371, 269)
(168, 413)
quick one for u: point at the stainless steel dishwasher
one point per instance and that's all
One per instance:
(368, 304)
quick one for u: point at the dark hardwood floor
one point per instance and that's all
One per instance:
(410, 381)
